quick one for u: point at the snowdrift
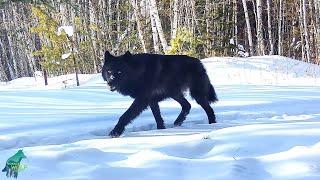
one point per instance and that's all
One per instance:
(268, 127)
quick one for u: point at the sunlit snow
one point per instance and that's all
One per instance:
(268, 127)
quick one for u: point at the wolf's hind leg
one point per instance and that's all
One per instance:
(186, 106)
(204, 103)
(157, 114)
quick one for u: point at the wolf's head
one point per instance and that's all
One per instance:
(116, 70)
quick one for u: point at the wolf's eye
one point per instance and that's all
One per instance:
(109, 72)
(119, 72)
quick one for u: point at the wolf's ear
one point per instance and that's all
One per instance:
(128, 53)
(107, 55)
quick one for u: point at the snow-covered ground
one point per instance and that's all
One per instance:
(268, 127)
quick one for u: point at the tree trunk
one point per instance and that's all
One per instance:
(155, 36)
(301, 31)
(245, 9)
(260, 28)
(280, 28)
(305, 29)
(175, 19)
(118, 20)
(109, 24)
(317, 29)
(137, 14)
(208, 27)
(93, 42)
(271, 51)
(155, 16)
(45, 76)
(235, 20)
(75, 63)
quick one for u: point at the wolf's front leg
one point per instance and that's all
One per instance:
(138, 105)
(157, 115)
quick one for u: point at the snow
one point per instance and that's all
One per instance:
(65, 56)
(268, 127)
(69, 30)
(231, 41)
(37, 82)
(241, 48)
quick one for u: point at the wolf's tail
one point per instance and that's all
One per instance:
(212, 96)
(201, 88)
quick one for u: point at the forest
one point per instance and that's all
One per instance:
(30, 42)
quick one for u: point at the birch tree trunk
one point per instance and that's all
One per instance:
(301, 30)
(271, 52)
(317, 25)
(194, 17)
(118, 20)
(63, 12)
(155, 36)
(245, 9)
(7, 49)
(175, 19)
(137, 14)
(235, 20)
(208, 26)
(305, 26)
(260, 28)
(280, 28)
(155, 16)
(109, 26)
(93, 34)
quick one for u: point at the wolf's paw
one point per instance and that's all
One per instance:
(161, 126)
(178, 123)
(116, 132)
(212, 120)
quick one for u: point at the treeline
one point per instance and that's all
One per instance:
(29, 40)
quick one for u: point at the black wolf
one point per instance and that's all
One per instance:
(151, 78)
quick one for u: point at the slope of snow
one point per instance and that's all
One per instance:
(263, 70)
(37, 82)
(268, 127)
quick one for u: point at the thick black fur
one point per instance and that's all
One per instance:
(151, 78)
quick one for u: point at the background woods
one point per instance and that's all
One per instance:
(29, 41)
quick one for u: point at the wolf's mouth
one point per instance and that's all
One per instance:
(112, 88)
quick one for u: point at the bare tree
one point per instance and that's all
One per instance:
(305, 29)
(155, 35)
(148, 25)
(280, 28)
(155, 16)
(139, 24)
(270, 35)
(175, 19)
(245, 9)
(260, 28)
